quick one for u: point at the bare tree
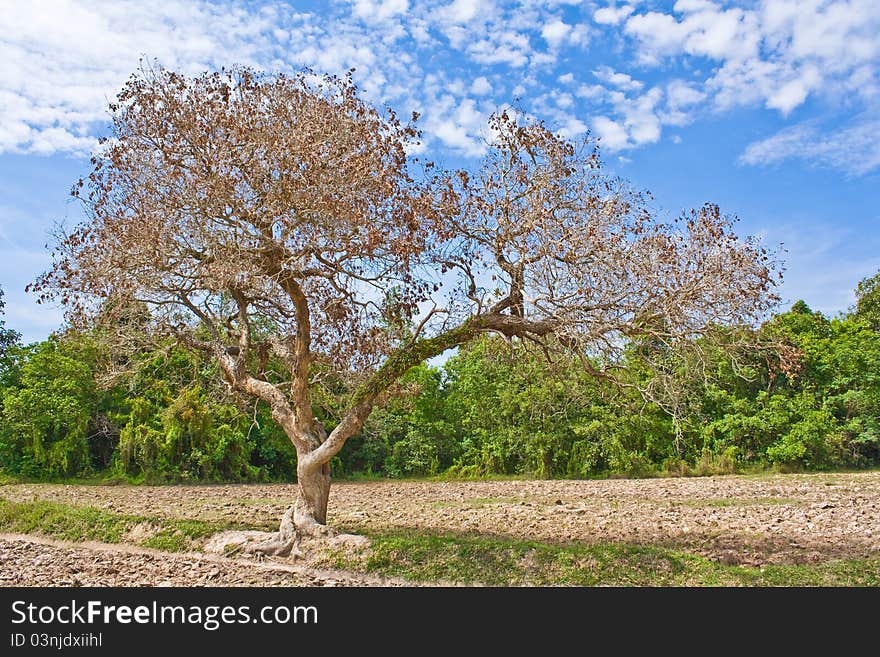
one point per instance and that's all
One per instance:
(279, 215)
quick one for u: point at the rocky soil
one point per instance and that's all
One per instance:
(752, 520)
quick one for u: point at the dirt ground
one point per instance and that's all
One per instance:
(751, 520)
(38, 561)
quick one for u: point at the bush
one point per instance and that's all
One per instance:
(812, 443)
(191, 439)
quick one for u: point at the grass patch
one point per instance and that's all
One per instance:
(497, 561)
(62, 521)
(76, 523)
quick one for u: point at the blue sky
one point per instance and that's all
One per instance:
(771, 109)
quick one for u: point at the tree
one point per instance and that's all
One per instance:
(868, 300)
(8, 337)
(48, 413)
(280, 216)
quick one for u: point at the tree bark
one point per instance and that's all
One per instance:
(313, 491)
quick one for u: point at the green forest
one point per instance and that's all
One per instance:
(488, 410)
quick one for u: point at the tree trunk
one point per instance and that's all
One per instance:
(310, 509)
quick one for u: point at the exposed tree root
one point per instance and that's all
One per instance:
(289, 541)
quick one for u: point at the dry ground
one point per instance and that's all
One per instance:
(39, 561)
(750, 520)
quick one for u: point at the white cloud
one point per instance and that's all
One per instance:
(612, 135)
(462, 11)
(612, 15)
(637, 116)
(620, 80)
(777, 53)
(793, 93)
(59, 68)
(481, 86)
(659, 33)
(681, 93)
(381, 10)
(572, 127)
(563, 100)
(641, 119)
(693, 5)
(555, 32)
(681, 97)
(579, 35)
(458, 124)
(592, 92)
(508, 47)
(854, 148)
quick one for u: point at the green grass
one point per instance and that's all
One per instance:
(101, 479)
(496, 561)
(75, 523)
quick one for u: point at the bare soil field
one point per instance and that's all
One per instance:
(748, 520)
(38, 561)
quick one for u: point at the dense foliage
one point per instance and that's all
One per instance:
(487, 410)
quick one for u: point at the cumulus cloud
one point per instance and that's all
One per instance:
(457, 124)
(373, 10)
(778, 52)
(481, 86)
(508, 47)
(59, 66)
(555, 32)
(620, 80)
(572, 127)
(462, 11)
(612, 15)
(682, 94)
(612, 135)
(681, 97)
